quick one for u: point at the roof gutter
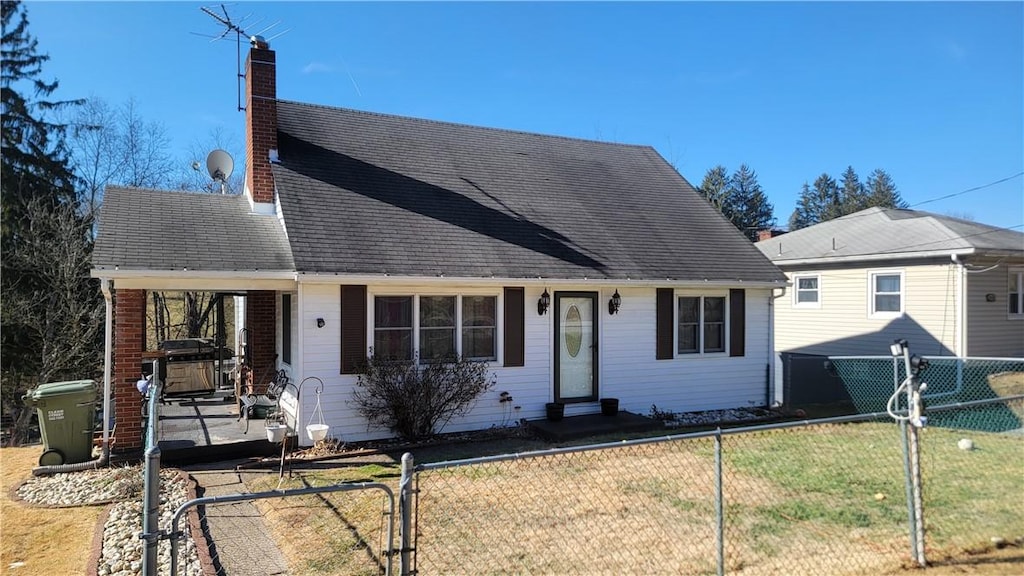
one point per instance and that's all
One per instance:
(873, 257)
(198, 280)
(333, 278)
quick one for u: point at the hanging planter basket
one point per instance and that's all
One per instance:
(276, 432)
(317, 430)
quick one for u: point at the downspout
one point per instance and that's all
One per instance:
(961, 306)
(107, 354)
(775, 396)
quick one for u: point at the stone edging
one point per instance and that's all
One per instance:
(96, 554)
(195, 529)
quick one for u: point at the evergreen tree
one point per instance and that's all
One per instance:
(49, 305)
(802, 215)
(853, 195)
(715, 189)
(750, 207)
(881, 191)
(817, 204)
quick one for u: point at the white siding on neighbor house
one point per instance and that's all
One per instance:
(841, 322)
(627, 368)
(991, 329)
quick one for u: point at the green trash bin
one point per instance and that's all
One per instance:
(67, 419)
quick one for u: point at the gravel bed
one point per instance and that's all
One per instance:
(122, 486)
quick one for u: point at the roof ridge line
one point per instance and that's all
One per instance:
(464, 125)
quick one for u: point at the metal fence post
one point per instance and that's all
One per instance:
(719, 503)
(907, 477)
(405, 510)
(151, 497)
(918, 500)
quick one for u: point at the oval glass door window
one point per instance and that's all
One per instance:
(573, 331)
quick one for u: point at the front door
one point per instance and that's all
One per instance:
(575, 346)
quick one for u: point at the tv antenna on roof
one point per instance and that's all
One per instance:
(236, 27)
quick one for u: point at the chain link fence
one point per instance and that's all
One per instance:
(870, 380)
(829, 496)
(821, 497)
(972, 460)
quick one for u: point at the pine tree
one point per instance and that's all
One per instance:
(715, 189)
(817, 204)
(34, 159)
(853, 194)
(50, 310)
(750, 207)
(881, 191)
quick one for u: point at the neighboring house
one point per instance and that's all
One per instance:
(360, 231)
(950, 287)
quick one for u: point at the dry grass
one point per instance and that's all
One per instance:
(341, 533)
(820, 500)
(47, 540)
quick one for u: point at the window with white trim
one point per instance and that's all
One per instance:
(436, 326)
(806, 291)
(1015, 292)
(701, 322)
(886, 293)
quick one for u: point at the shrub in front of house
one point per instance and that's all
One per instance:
(413, 398)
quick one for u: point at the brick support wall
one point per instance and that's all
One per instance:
(129, 341)
(261, 322)
(260, 121)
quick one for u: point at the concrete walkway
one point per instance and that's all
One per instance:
(240, 542)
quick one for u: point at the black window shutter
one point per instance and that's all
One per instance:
(737, 322)
(353, 328)
(515, 332)
(664, 320)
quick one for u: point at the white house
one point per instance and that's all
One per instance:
(360, 231)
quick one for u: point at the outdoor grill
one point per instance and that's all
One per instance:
(190, 365)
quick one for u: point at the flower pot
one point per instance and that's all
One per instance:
(317, 432)
(555, 411)
(610, 406)
(276, 432)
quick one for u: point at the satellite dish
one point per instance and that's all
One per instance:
(219, 164)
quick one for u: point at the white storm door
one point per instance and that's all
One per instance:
(575, 346)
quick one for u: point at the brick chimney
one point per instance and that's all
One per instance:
(260, 121)
(768, 234)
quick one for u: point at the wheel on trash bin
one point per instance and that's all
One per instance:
(51, 457)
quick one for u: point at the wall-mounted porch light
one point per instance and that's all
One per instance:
(320, 322)
(615, 303)
(543, 303)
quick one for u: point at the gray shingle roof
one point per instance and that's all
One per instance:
(365, 193)
(890, 233)
(142, 229)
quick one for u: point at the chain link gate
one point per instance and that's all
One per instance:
(185, 561)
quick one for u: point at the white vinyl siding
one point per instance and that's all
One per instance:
(991, 331)
(628, 368)
(843, 324)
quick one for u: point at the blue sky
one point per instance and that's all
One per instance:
(931, 92)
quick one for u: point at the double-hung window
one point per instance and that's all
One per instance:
(886, 293)
(806, 291)
(392, 327)
(701, 324)
(1015, 292)
(436, 327)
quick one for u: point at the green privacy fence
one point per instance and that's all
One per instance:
(870, 381)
